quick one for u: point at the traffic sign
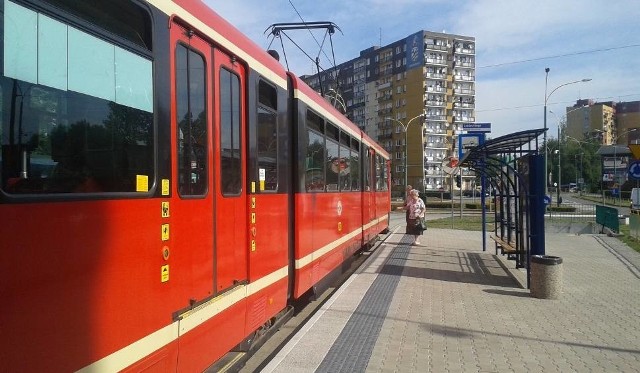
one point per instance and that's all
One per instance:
(547, 200)
(635, 150)
(634, 170)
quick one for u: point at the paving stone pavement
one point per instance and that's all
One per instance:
(455, 308)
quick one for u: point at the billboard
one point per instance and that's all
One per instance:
(415, 50)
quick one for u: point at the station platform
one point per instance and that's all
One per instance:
(449, 306)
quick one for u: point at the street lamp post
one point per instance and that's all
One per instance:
(559, 153)
(546, 100)
(405, 127)
(559, 168)
(559, 181)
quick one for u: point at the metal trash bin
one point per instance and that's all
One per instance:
(546, 276)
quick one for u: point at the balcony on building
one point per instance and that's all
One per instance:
(434, 131)
(385, 135)
(464, 47)
(464, 64)
(465, 119)
(464, 91)
(465, 103)
(431, 145)
(464, 78)
(435, 89)
(436, 47)
(435, 117)
(386, 58)
(386, 71)
(432, 160)
(436, 61)
(385, 97)
(434, 103)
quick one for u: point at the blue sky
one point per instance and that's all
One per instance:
(515, 41)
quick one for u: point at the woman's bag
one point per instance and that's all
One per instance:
(421, 223)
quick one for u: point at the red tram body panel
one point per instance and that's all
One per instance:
(158, 218)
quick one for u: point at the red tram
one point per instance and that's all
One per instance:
(167, 188)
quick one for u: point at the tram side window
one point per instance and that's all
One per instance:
(192, 122)
(77, 112)
(345, 168)
(378, 171)
(384, 182)
(381, 174)
(354, 165)
(121, 17)
(267, 137)
(231, 158)
(314, 165)
(333, 165)
(366, 168)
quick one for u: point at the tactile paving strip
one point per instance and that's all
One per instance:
(352, 350)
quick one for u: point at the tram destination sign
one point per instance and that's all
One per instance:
(476, 127)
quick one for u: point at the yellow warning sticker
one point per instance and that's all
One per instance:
(164, 273)
(165, 187)
(261, 185)
(165, 232)
(142, 183)
(165, 209)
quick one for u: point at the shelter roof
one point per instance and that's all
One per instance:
(513, 143)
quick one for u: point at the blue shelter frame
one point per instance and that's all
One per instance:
(514, 169)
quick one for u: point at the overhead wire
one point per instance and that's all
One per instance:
(310, 33)
(559, 56)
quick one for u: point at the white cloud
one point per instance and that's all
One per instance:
(522, 36)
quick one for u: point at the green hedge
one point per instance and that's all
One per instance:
(456, 205)
(561, 208)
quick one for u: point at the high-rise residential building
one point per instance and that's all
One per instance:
(412, 96)
(610, 122)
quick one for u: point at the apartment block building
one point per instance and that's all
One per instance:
(412, 96)
(610, 122)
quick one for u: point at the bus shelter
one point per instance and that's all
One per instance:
(512, 169)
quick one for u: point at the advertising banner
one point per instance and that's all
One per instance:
(415, 50)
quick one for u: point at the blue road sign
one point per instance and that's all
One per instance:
(634, 170)
(547, 200)
(476, 127)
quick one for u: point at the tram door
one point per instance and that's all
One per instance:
(230, 163)
(369, 201)
(208, 219)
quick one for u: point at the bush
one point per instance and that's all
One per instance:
(561, 208)
(441, 205)
(435, 194)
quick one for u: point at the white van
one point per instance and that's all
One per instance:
(635, 199)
